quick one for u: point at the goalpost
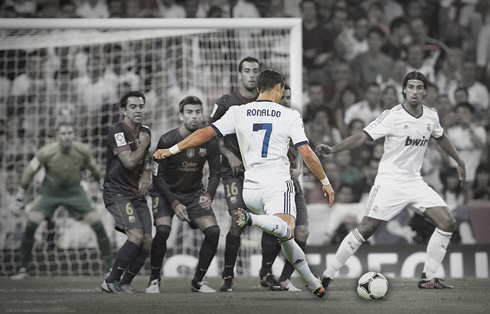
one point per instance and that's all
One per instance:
(54, 70)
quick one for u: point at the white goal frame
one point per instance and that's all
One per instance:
(294, 25)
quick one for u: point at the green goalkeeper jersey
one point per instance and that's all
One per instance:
(63, 170)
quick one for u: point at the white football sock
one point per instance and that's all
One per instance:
(273, 225)
(297, 258)
(347, 248)
(436, 250)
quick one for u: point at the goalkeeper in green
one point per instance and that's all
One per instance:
(64, 160)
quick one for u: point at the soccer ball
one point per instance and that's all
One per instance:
(372, 286)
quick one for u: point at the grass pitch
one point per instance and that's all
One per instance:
(83, 295)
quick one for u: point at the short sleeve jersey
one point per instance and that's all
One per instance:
(220, 108)
(406, 140)
(183, 172)
(264, 129)
(118, 179)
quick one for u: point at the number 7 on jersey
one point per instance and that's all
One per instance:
(268, 130)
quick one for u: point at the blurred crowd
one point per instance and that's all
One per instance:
(355, 56)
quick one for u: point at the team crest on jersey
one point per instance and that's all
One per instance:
(132, 219)
(233, 199)
(428, 127)
(203, 152)
(120, 140)
(190, 152)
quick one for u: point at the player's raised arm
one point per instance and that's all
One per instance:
(449, 148)
(196, 138)
(145, 179)
(349, 143)
(131, 158)
(313, 163)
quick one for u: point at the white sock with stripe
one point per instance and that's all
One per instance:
(297, 258)
(436, 250)
(273, 225)
(347, 248)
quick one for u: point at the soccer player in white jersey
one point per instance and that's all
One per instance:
(407, 129)
(264, 129)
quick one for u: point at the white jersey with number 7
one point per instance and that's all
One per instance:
(263, 129)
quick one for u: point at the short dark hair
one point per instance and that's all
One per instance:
(414, 75)
(64, 123)
(189, 100)
(247, 59)
(268, 79)
(124, 99)
(465, 104)
(372, 84)
(286, 87)
(377, 30)
(461, 88)
(314, 3)
(397, 23)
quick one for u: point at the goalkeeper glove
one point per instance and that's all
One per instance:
(20, 203)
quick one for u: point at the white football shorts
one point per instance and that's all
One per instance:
(272, 200)
(388, 200)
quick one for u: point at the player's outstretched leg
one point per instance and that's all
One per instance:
(206, 255)
(288, 270)
(297, 258)
(347, 248)
(158, 251)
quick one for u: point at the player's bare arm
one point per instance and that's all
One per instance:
(131, 158)
(181, 212)
(145, 179)
(295, 169)
(313, 163)
(236, 164)
(196, 138)
(349, 143)
(449, 148)
(205, 201)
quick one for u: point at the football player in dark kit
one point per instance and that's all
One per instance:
(178, 189)
(127, 179)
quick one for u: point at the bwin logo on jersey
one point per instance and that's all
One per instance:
(416, 141)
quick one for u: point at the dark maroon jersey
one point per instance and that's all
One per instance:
(182, 173)
(229, 141)
(120, 181)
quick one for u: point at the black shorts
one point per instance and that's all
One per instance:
(233, 191)
(301, 210)
(129, 213)
(162, 208)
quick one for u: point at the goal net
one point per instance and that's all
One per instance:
(76, 70)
